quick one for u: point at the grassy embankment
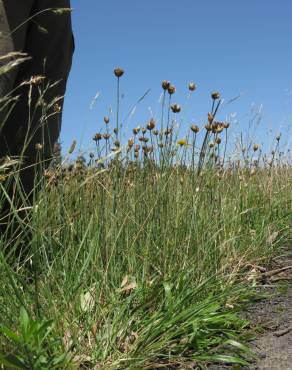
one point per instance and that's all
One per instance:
(141, 260)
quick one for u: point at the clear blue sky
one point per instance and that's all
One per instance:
(235, 47)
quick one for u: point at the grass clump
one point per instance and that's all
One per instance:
(140, 258)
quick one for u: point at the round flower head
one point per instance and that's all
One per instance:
(165, 84)
(171, 89)
(192, 86)
(118, 72)
(175, 108)
(97, 137)
(151, 124)
(195, 129)
(215, 95)
(182, 142)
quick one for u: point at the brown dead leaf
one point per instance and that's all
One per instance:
(125, 281)
(129, 287)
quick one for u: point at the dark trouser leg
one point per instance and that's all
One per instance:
(51, 55)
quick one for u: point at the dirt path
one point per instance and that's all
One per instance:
(273, 315)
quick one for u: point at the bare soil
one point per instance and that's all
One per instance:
(273, 316)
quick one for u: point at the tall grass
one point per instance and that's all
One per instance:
(140, 258)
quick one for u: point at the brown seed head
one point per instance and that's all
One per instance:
(137, 148)
(278, 137)
(106, 119)
(211, 144)
(151, 124)
(226, 125)
(192, 86)
(143, 139)
(208, 127)
(136, 130)
(57, 108)
(165, 84)
(175, 108)
(116, 130)
(210, 117)
(97, 137)
(195, 129)
(219, 129)
(118, 72)
(255, 147)
(117, 143)
(168, 131)
(106, 136)
(215, 95)
(218, 140)
(38, 146)
(171, 89)
(160, 145)
(155, 132)
(130, 143)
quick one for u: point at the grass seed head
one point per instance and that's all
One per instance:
(210, 117)
(168, 131)
(117, 143)
(97, 137)
(218, 140)
(38, 146)
(215, 95)
(165, 84)
(151, 124)
(130, 143)
(175, 108)
(171, 89)
(72, 147)
(106, 136)
(195, 128)
(118, 72)
(192, 86)
(219, 129)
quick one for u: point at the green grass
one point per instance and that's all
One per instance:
(142, 263)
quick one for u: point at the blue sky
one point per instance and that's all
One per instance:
(236, 47)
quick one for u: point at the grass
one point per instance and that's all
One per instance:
(140, 259)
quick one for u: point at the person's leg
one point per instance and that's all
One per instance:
(49, 42)
(12, 14)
